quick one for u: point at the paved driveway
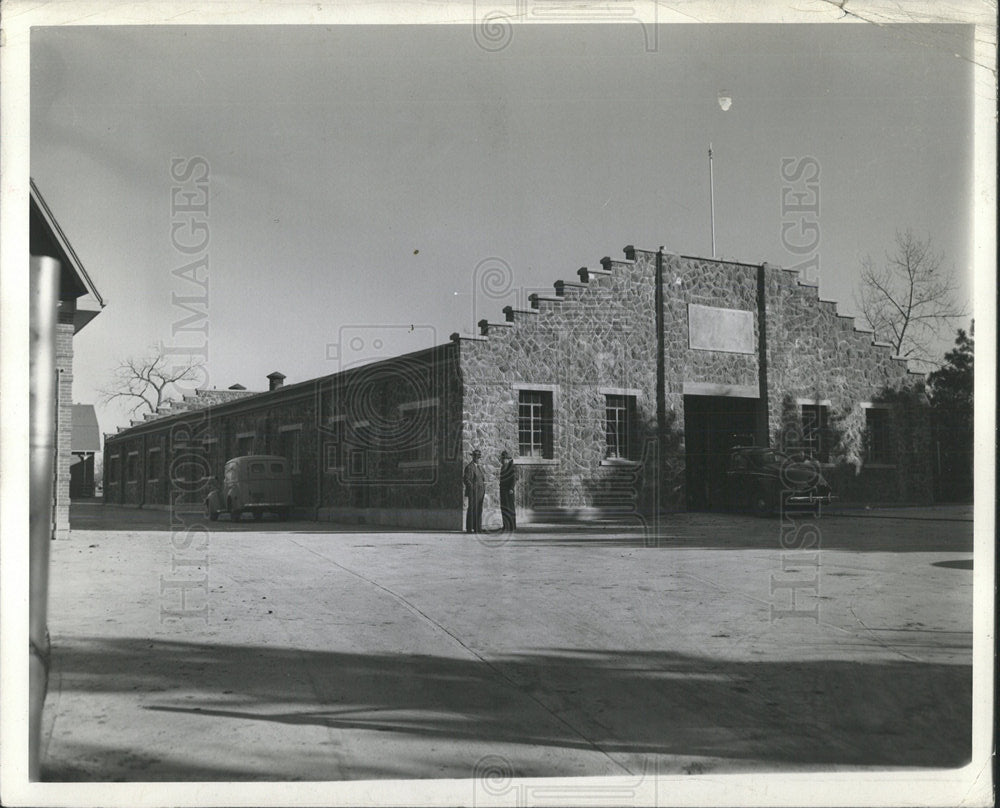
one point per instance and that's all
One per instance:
(301, 651)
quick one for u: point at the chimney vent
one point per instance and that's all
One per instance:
(275, 380)
(236, 386)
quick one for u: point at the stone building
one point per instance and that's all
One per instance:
(619, 395)
(79, 303)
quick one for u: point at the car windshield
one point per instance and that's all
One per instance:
(769, 457)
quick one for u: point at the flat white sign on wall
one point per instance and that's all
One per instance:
(714, 329)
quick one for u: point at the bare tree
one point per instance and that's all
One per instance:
(145, 381)
(909, 300)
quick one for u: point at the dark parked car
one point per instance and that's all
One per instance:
(762, 480)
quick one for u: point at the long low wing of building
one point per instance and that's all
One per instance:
(619, 395)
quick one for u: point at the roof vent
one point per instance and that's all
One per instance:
(236, 387)
(275, 380)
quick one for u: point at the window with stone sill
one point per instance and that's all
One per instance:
(619, 422)
(877, 442)
(154, 465)
(244, 445)
(817, 438)
(418, 434)
(114, 469)
(534, 424)
(132, 467)
(335, 449)
(290, 447)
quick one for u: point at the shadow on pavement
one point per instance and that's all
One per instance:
(680, 530)
(773, 713)
(93, 515)
(955, 564)
(736, 531)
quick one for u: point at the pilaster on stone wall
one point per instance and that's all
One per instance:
(64, 424)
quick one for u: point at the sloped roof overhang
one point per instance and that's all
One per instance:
(77, 293)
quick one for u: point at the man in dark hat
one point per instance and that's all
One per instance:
(474, 480)
(508, 478)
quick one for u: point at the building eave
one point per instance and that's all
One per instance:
(63, 244)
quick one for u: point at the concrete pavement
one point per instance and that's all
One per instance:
(300, 651)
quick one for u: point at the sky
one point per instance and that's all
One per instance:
(366, 184)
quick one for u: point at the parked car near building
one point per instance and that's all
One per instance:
(256, 483)
(762, 480)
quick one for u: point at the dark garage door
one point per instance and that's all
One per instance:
(712, 426)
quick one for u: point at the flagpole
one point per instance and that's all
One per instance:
(711, 194)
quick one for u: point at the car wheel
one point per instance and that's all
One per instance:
(743, 501)
(763, 502)
(234, 512)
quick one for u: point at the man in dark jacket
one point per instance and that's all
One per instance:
(508, 478)
(474, 480)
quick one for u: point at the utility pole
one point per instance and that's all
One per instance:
(711, 194)
(661, 393)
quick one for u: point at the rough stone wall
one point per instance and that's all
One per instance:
(815, 353)
(598, 336)
(708, 283)
(603, 336)
(64, 423)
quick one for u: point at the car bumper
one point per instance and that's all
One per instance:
(810, 499)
